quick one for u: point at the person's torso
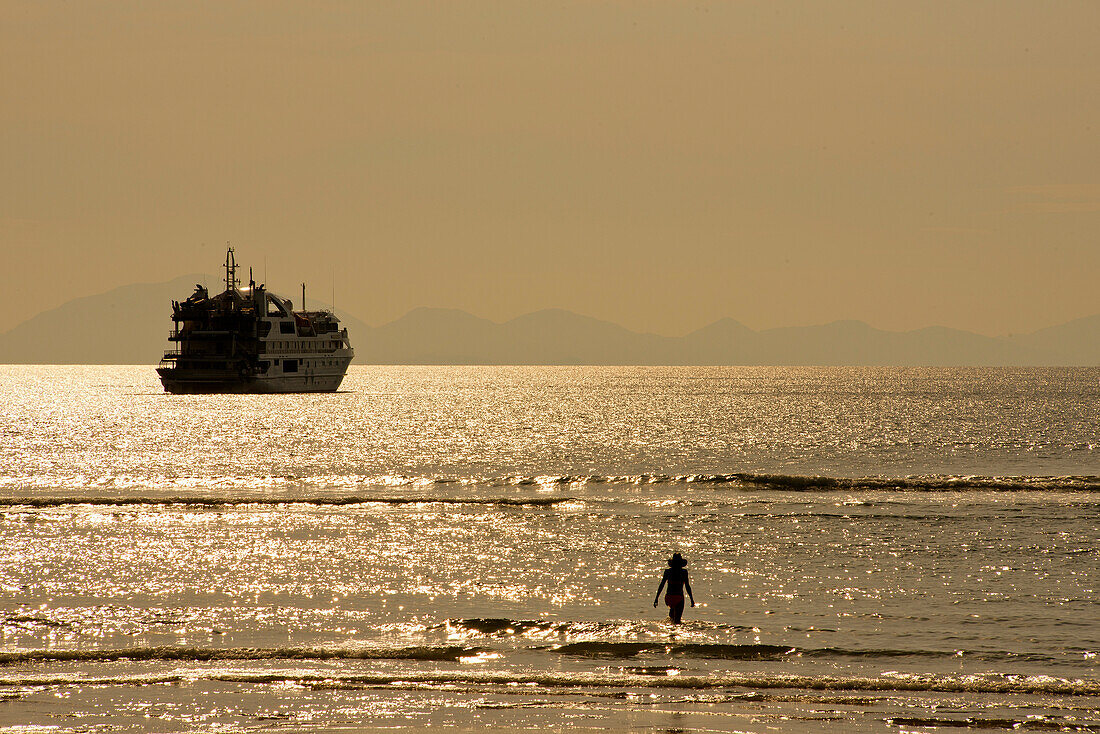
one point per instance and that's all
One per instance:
(675, 578)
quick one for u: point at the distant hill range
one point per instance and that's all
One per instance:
(130, 325)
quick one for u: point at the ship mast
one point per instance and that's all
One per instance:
(231, 281)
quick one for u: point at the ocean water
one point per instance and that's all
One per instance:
(478, 548)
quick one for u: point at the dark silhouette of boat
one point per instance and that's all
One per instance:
(250, 340)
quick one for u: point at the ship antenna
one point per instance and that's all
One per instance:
(303, 296)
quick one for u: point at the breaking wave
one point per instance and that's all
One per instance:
(979, 722)
(529, 632)
(922, 484)
(328, 679)
(322, 490)
(202, 654)
(718, 651)
(188, 500)
(715, 651)
(794, 482)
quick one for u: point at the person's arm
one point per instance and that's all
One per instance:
(658, 597)
(687, 585)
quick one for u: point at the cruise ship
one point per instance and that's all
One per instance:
(250, 340)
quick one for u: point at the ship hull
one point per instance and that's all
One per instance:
(191, 384)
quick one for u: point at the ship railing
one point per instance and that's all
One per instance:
(200, 333)
(297, 349)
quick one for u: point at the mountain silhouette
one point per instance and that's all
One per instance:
(127, 325)
(1077, 341)
(130, 325)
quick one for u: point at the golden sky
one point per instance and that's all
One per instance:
(657, 164)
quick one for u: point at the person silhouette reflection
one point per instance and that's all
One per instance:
(676, 576)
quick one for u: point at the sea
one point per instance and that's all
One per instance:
(479, 549)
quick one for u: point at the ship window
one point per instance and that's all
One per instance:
(286, 327)
(290, 365)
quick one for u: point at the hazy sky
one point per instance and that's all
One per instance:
(657, 164)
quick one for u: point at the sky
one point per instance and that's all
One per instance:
(656, 164)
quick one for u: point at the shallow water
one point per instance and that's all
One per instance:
(871, 550)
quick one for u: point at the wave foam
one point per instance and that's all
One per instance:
(308, 487)
(1038, 685)
(202, 654)
(697, 650)
(190, 500)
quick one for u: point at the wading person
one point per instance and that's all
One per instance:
(676, 576)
